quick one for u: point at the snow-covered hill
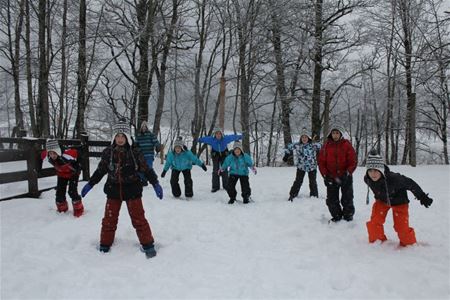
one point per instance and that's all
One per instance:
(207, 249)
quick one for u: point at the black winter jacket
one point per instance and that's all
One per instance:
(122, 165)
(393, 186)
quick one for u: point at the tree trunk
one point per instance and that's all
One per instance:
(81, 78)
(62, 92)
(31, 104)
(326, 115)
(272, 124)
(317, 81)
(42, 109)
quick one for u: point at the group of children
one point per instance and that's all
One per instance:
(129, 168)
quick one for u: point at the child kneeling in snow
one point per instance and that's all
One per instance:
(390, 189)
(238, 162)
(180, 160)
(122, 163)
(67, 170)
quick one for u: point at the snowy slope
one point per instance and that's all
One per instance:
(208, 249)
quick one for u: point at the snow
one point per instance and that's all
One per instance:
(207, 249)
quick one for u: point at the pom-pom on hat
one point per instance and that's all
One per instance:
(124, 128)
(375, 161)
(53, 145)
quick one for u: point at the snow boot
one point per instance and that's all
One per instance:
(336, 219)
(149, 250)
(291, 199)
(348, 218)
(104, 248)
(246, 200)
(231, 201)
(62, 207)
(78, 208)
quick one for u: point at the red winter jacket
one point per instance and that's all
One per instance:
(66, 166)
(337, 158)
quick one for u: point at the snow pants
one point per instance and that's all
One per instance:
(299, 180)
(400, 214)
(217, 161)
(137, 215)
(347, 209)
(176, 190)
(61, 187)
(245, 187)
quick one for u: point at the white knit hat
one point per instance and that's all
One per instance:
(338, 128)
(305, 132)
(237, 144)
(375, 161)
(124, 128)
(178, 143)
(53, 145)
(217, 129)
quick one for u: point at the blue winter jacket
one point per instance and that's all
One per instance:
(305, 155)
(182, 161)
(238, 164)
(220, 145)
(147, 142)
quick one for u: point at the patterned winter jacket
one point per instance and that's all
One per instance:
(219, 147)
(238, 165)
(66, 166)
(392, 187)
(122, 164)
(305, 155)
(182, 161)
(148, 143)
(336, 159)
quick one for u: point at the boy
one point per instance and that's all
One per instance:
(67, 171)
(238, 162)
(180, 160)
(390, 189)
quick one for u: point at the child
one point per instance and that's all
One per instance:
(305, 153)
(67, 170)
(180, 160)
(219, 152)
(390, 189)
(337, 162)
(238, 162)
(148, 143)
(122, 163)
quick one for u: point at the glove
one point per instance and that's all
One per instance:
(86, 189)
(328, 181)
(204, 167)
(286, 157)
(426, 201)
(163, 173)
(254, 170)
(158, 190)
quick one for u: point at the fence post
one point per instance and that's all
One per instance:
(32, 167)
(85, 155)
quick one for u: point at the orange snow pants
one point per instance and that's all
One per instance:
(137, 215)
(400, 214)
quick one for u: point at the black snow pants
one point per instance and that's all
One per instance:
(345, 208)
(299, 180)
(174, 178)
(245, 187)
(61, 188)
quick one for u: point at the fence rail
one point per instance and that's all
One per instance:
(29, 149)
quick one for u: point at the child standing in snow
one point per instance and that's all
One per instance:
(304, 153)
(219, 152)
(122, 163)
(148, 143)
(180, 160)
(238, 162)
(390, 189)
(67, 171)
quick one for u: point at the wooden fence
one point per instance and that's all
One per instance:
(29, 149)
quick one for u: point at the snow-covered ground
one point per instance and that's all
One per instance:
(207, 249)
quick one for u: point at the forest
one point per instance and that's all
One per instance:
(263, 68)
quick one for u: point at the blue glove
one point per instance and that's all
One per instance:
(158, 190)
(86, 189)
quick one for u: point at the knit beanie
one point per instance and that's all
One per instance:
(217, 129)
(337, 127)
(305, 132)
(53, 145)
(375, 161)
(178, 143)
(238, 144)
(144, 126)
(124, 128)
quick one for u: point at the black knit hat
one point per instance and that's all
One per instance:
(375, 161)
(123, 128)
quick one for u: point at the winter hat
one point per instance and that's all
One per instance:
(237, 144)
(178, 143)
(124, 128)
(375, 161)
(337, 127)
(144, 126)
(305, 132)
(217, 129)
(53, 145)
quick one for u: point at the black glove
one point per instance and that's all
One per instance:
(286, 157)
(163, 173)
(328, 181)
(204, 167)
(426, 201)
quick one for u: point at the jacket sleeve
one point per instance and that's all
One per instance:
(156, 143)
(169, 160)
(322, 161)
(412, 186)
(102, 167)
(143, 167)
(206, 140)
(232, 137)
(248, 160)
(195, 159)
(226, 162)
(317, 146)
(351, 157)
